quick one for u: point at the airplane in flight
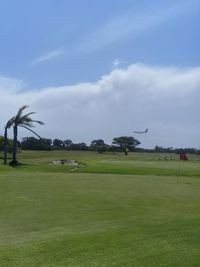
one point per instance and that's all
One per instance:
(141, 132)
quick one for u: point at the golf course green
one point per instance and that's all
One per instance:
(111, 210)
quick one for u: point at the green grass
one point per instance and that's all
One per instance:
(92, 162)
(136, 214)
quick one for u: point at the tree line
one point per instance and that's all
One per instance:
(119, 144)
(123, 143)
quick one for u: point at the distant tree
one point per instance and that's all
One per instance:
(164, 149)
(47, 141)
(58, 144)
(9, 146)
(79, 146)
(1, 143)
(32, 143)
(98, 142)
(67, 144)
(24, 121)
(113, 149)
(99, 145)
(125, 142)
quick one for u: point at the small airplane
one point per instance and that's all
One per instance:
(141, 132)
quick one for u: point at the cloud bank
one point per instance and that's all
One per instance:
(163, 99)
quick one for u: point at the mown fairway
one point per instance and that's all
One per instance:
(112, 211)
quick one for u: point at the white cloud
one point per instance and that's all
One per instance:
(48, 56)
(163, 99)
(116, 63)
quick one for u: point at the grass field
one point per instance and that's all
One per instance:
(112, 211)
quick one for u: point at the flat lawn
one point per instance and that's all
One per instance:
(92, 162)
(52, 216)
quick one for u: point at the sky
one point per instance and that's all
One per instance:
(101, 69)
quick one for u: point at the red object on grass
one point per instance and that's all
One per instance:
(183, 156)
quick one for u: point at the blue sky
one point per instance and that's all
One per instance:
(48, 46)
(75, 36)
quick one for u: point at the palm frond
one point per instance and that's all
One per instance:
(26, 115)
(39, 122)
(31, 131)
(10, 123)
(19, 113)
(24, 119)
(29, 124)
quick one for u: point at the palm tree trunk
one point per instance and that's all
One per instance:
(14, 159)
(5, 144)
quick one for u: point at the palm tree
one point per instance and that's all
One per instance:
(24, 121)
(5, 142)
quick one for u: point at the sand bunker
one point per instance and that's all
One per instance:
(70, 162)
